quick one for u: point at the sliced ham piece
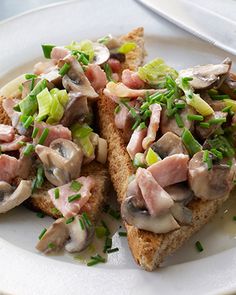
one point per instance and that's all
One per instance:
(157, 200)
(134, 190)
(55, 131)
(114, 64)
(15, 144)
(171, 170)
(7, 133)
(9, 167)
(121, 117)
(44, 67)
(8, 105)
(59, 52)
(132, 80)
(69, 209)
(135, 144)
(115, 91)
(97, 77)
(153, 125)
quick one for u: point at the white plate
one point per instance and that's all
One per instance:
(23, 270)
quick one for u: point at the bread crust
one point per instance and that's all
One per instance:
(148, 249)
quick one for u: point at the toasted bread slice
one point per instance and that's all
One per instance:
(148, 249)
(40, 200)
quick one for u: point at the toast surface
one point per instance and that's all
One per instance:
(148, 249)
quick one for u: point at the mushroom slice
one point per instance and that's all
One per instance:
(102, 53)
(54, 238)
(75, 80)
(80, 237)
(10, 198)
(143, 220)
(102, 150)
(210, 184)
(62, 161)
(180, 192)
(204, 76)
(181, 213)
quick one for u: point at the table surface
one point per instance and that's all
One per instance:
(10, 8)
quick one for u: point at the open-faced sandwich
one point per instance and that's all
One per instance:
(171, 139)
(51, 152)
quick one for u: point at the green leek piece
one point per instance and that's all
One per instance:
(156, 71)
(56, 110)
(230, 103)
(28, 106)
(127, 47)
(193, 99)
(85, 46)
(152, 157)
(81, 131)
(62, 95)
(47, 49)
(191, 144)
(87, 146)
(44, 99)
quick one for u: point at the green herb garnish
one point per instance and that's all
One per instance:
(74, 197)
(76, 185)
(199, 246)
(42, 233)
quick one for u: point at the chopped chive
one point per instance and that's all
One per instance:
(100, 231)
(180, 105)
(147, 114)
(179, 120)
(56, 193)
(42, 233)
(64, 69)
(109, 251)
(195, 117)
(117, 109)
(86, 219)
(217, 153)
(43, 136)
(28, 149)
(234, 218)
(220, 96)
(55, 211)
(142, 126)
(74, 197)
(122, 234)
(33, 186)
(35, 132)
(32, 84)
(51, 246)
(40, 214)
(108, 244)
(82, 58)
(22, 143)
(217, 121)
(207, 159)
(204, 125)
(114, 214)
(30, 76)
(108, 71)
(28, 122)
(76, 185)
(106, 227)
(226, 109)
(136, 124)
(192, 145)
(47, 49)
(199, 246)
(81, 223)
(171, 112)
(93, 262)
(17, 107)
(69, 220)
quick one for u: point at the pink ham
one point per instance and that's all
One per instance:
(59, 52)
(114, 64)
(135, 144)
(134, 190)
(153, 125)
(44, 67)
(96, 76)
(55, 131)
(171, 170)
(157, 200)
(7, 133)
(69, 209)
(132, 80)
(121, 117)
(9, 167)
(8, 105)
(15, 144)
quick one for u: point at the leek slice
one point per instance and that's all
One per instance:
(85, 46)
(44, 99)
(28, 106)
(230, 103)
(193, 99)
(81, 135)
(152, 157)
(127, 47)
(156, 71)
(56, 110)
